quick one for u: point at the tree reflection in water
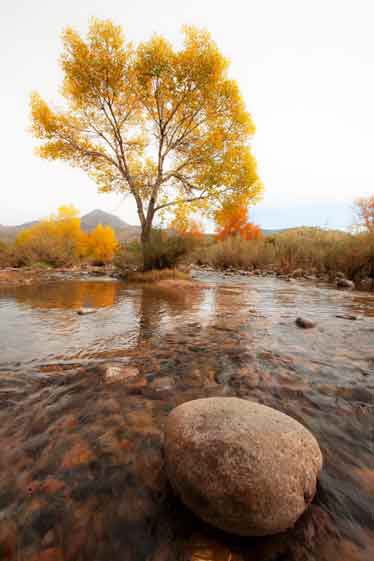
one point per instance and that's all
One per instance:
(81, 463)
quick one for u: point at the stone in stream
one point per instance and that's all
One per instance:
(118, 372)
(297, 273)
(245, 468)
(86, 311)
(305, 323)
(345, 283)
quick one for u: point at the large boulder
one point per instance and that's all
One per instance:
(245, 468)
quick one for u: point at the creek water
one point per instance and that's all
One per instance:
(81, 464)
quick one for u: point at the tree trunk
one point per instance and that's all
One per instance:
(145, 241)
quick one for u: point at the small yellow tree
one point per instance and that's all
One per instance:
(167, 126)
(56, 240)
(102, 244)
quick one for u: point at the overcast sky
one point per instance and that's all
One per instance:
(305, 68)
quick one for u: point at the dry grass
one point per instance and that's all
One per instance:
(311, 249)
(156, 275)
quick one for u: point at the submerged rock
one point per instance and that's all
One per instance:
(305, 323)
(117, 372)
(242, 467)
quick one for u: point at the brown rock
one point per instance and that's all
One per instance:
(243, 467)
(297, 273)
(305, 323)
(345, 283)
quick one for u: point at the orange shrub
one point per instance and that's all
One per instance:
(232, 219)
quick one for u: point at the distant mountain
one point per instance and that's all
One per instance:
(89, 222)
(92, 219)
(123, 230)
(9, 233)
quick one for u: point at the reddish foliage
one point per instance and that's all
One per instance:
(232, 220)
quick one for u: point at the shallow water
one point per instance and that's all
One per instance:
(81, 468)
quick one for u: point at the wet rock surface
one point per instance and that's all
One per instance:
(82, 474)
(345, 283)
(242, 467)
(305, 323)
(86, 311)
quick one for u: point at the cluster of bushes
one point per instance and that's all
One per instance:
(312, 249)
(6, 255)
(165, 250)
(59, 241)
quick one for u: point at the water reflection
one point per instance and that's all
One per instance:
(70, 295)
(81, 468)
(40, 324)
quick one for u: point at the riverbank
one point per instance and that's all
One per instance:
(25, 276)
(180, 277)
(338, 280)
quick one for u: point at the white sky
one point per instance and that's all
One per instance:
(305, 68)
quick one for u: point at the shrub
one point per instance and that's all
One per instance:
(55, 241)
(6, 255)
(164, 251)
(236, 252)
(128, 256)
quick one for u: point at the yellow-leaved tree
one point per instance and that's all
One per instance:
(102, 244)
(57, 240)
(167, 126)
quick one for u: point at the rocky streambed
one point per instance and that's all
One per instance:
(84, 401)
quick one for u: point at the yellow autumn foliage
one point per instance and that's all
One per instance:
(102, 244)
(59, 240)
(167, 126)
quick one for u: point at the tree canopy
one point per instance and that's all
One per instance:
(167, 126)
